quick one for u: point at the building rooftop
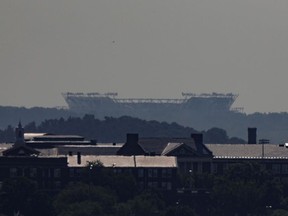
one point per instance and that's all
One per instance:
(30, 136)
(89, 149)
(125, 161)
(158, 144)
(248, 151)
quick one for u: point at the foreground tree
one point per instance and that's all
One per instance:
(245, 189)
(17, 195)
(146, 203)
(84, 200)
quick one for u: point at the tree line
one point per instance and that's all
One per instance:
(272, 126)
(115, 129)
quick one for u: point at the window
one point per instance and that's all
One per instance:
(169, 173)
(276, 168)
(206, 167)
(77, 172)
(141, 185)
(188, 165)
(155, 173)
(215, 168)
(164, 185)
(195, 167)
(150, 174)
(71, 172)
(169, 185)
(117, 170)
(57, 184)
(44, 173)
(33, 172)
(140, 173)
(50, 173)
(57, 173)
(164, 173)
(181, 166)
(155, 184)
(13, 172)
(285, 169)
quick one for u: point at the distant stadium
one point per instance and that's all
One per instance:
(108, 104)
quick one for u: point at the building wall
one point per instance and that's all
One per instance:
(49, 173)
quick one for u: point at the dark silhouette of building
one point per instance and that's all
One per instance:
(52, 171)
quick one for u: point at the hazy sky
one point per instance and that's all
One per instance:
(144, 48)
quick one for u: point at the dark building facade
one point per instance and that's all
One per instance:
(53, 171)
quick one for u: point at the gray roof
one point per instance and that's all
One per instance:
(5, 146)
(68, 142)
(49, 152)
(161, 146)
(126, 161)
(89, 149)
(248, 151)
(29, 136)
(49, 136)
(170, 147)
(158, 145)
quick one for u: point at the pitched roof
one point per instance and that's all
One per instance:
(21, 150)
(170, 147)
(158, 144)
(163, 145)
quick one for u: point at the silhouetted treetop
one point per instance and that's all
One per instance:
(115, 129)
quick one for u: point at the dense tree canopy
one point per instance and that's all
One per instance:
(115, 129)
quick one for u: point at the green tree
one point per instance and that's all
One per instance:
(180, 210)
(17, 195)
(245, 189)
(215, 135)
(86, 198)
(279, 212)
(146, 203)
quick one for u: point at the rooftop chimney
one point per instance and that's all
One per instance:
(131, 147)
(197, 137)
(132, 139)
(78, 157)
(252, 135)
(198, 140)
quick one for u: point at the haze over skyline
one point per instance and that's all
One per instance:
(144, 49)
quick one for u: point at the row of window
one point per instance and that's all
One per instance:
(280, 168)
(156, 173)
(156, 185)
(275, 168)
(195, 167)
(207, 167)
(151, 173)
(35, 172)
